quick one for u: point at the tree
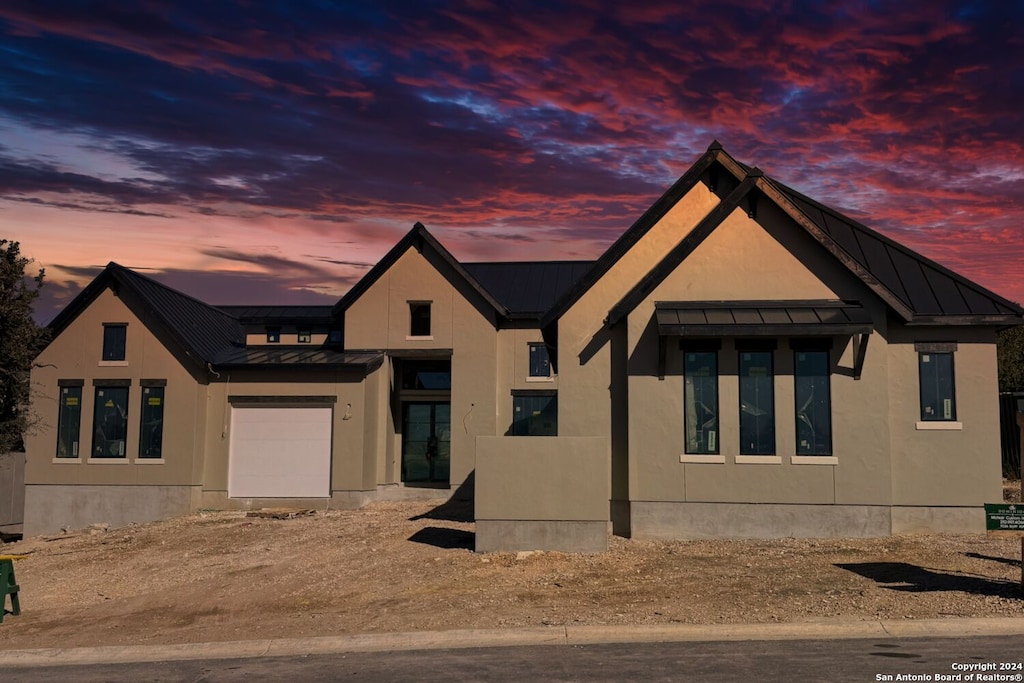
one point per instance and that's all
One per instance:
(20, 340)
(1010, 350)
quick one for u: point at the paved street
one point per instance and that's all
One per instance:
(855, 661)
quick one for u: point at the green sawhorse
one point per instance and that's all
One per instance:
(8, 585)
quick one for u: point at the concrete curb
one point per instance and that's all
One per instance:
(549, 635)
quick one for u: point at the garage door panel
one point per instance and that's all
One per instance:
(280, 452)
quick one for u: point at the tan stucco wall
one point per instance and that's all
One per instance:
(352, 462)
(946, 467)
(584, 351)
(741, 260)
(75, 354)
(379, 320)
(542, 478)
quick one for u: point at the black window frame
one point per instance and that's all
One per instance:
(534, 370)
(770, 446)
(532, 426)
(115, 342)
(929, 354)
(69, 421)
(800, 404)
(420, 319)
(151, 419)
(304, 335)
(712, 444)
(273, 335)
(106, 423)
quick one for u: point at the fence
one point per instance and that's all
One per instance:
(12, 492)
(1009, 432)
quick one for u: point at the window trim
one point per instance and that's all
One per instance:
(717, 450)
(98, 386)
(106, 350)
(796, 401)
(936, 349)
(530, 377)
(147, 387)
(414, 333)
(533, 393)
(756, 346)
(64, 385)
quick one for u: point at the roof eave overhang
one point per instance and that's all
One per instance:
(995, 320)
(789, 330)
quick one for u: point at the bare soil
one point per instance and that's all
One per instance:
(409, 566)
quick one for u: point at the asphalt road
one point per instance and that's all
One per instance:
(793, 661)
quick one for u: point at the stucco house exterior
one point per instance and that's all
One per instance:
(742, 362)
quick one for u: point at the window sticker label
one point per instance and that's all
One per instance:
(153, 401)
(947, 409)
(71, 400)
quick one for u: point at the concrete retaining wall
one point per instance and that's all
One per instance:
(49, 507)
(542, 493)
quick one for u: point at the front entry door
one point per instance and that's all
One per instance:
(426, 442)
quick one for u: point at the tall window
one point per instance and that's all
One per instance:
(69, 421)
(540, 364)
(419, 318)
(938, 395)
(114, 337)
(534, 413)
(110, 422)
(757, 403)
(151, 432)
(700, 401)
(813, 403)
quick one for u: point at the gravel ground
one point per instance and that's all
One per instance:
(409, 566)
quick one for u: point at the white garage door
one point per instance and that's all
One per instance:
(280, 453)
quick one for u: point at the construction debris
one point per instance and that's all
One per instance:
(280, 513)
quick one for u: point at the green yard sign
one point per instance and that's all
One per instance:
(1004, 517)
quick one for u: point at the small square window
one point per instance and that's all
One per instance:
(534, 414)
(114, 341)
(305, 336)
(334, 337)
(419, 318)
(540, 364)
(273, 335)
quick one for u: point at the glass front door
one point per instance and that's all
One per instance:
(426, 442)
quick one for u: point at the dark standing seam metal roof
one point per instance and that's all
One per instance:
(926, 287)
(206, 334)
(760, 318)
(527, 288)
(283, 315)
(292, 357)
(920, 290)
(203, 330)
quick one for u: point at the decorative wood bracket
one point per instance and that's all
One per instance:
(860, 349)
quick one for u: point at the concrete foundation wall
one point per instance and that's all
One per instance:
(743, 520)
(542, 493)
(568, 537)
(49, 507)
(339, 500)
(941, 520)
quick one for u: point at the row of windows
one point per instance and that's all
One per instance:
(110, 421)
(813, 400)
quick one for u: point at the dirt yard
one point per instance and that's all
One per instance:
(409, 566)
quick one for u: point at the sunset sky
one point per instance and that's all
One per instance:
(271, 152)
